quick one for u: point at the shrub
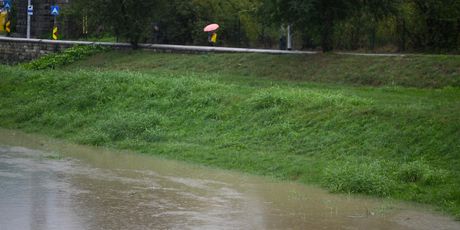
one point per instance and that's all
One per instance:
(367, 178)
(419, 172)
(69, 56)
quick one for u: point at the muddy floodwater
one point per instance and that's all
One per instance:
(48, 184)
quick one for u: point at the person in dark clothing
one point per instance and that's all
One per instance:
(283, 42)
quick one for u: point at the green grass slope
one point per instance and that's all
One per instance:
(386, 141)
(420, 71)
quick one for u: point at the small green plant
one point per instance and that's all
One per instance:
(129, 125)
(269, 99)
(67, 57)
(367, 178)
(419, 172)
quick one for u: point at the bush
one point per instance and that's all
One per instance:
(419, 172)
(67, 57)
(129, 125)
(367, 178)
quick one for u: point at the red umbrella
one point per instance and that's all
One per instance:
(211, 27)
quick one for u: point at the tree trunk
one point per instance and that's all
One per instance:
(326, 33)
(401, 28)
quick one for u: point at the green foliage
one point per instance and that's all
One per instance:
(321, 14)
(410, 71)
(127, 19)
(419, 172)
(67, 57)
(359, 177)
(384, 24)
(239, 112)
(377, 25)
(129, 125)
(183, 21)
(268, 99)
(382, 178)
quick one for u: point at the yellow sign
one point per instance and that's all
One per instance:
(55, 33)
(8, 27)
(3, 16)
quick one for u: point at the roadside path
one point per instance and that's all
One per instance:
(185, 49)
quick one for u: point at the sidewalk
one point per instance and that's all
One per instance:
(184, 48)
(177, 48)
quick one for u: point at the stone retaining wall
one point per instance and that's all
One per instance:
(15, 50)
(12, 52)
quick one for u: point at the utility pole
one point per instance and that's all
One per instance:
(289, 37)
(29, 4)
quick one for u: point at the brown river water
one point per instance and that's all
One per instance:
(50, 184)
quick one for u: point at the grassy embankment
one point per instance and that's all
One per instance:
(358, 128)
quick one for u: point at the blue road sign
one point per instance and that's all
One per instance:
(7, 5)
(55, 10)
(30, 10)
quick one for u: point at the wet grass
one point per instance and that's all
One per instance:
(420, 71)
(387, 141)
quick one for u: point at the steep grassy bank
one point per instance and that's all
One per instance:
(389, 141)
(421, 71)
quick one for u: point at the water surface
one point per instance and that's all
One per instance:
(49, 184)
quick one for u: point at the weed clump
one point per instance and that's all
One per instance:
(366, 178)
(270, 99)
(67, 57)
(419, 172)
(128, 125)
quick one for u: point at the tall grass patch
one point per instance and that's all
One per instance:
(372, 178)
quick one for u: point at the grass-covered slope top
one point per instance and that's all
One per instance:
(388, 141)
(421, 71)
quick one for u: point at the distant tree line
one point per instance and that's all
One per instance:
(392, 25)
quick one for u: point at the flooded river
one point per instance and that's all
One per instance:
(48, 184)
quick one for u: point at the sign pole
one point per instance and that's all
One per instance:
(8, 22)
(55, 13)
(54, 24)
(28, 19)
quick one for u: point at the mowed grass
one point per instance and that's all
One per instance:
(350, 136)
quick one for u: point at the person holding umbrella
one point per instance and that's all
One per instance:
(212, 35)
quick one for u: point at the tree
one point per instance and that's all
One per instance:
(185, 20)
(440, 20)
(323, 15)
(128, 19)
